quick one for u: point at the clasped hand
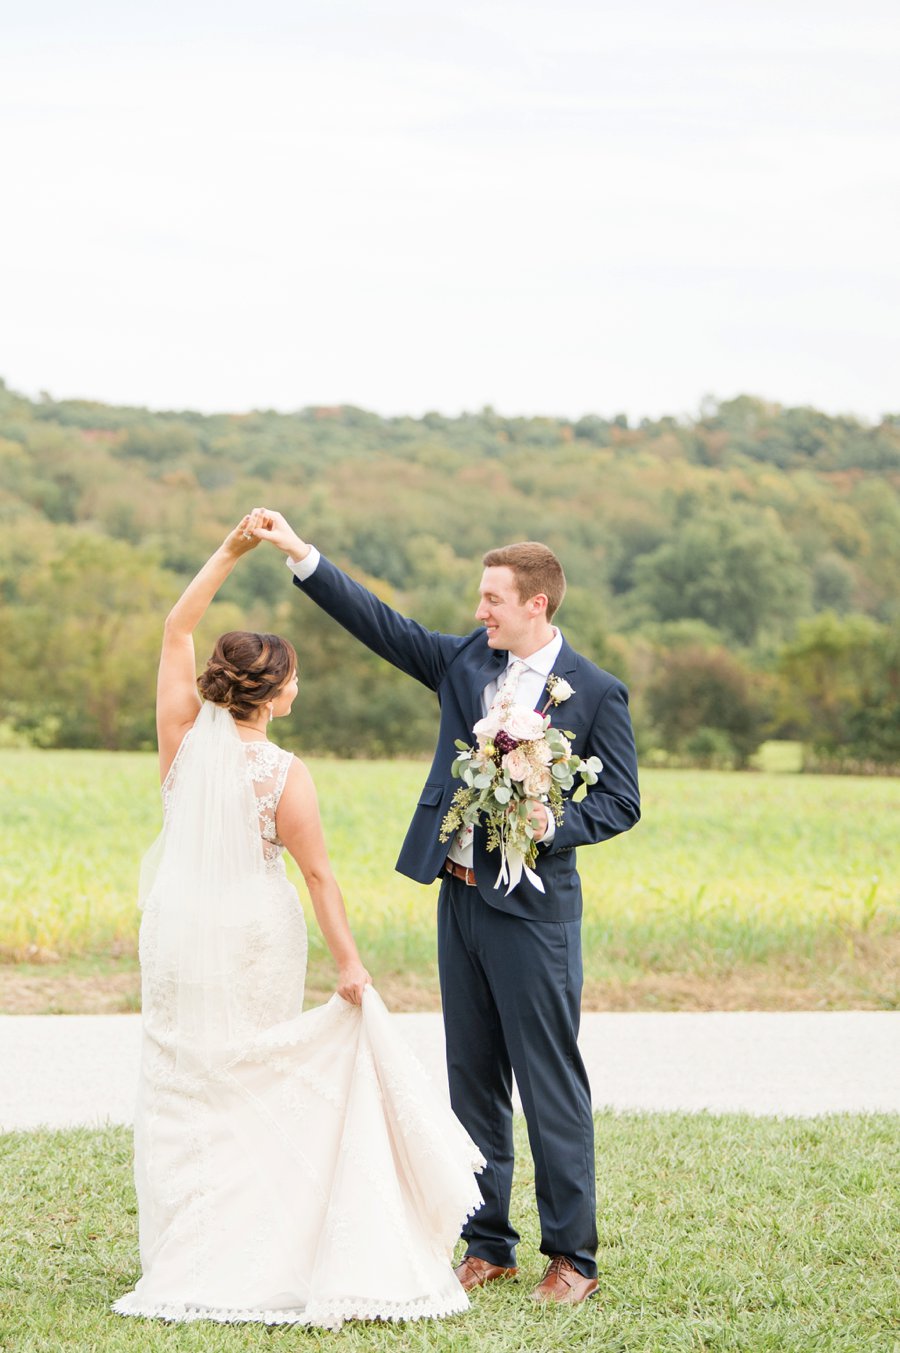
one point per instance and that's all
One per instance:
(272, 526)
(539, 817)
(263, 523)
(244, 538)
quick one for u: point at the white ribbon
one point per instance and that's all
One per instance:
(512, 866)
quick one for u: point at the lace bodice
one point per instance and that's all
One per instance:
(267, 768)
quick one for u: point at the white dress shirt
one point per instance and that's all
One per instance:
(529, 690)
(304, 568)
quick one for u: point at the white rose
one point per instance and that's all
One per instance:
(487, 728)
(524, 724)
(561, 690)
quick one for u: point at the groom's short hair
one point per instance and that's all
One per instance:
(535, 568)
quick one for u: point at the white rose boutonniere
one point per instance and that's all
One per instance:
(558, 690)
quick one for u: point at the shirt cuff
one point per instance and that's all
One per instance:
(551, 830)
(304, 568)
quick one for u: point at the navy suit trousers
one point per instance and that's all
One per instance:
(511, 992)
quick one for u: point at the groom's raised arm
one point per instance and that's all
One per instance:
(421, 653)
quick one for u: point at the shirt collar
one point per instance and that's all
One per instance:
(542, 661)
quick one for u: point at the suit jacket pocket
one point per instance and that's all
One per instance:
(431, 796)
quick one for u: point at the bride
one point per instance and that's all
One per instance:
(290, 1168)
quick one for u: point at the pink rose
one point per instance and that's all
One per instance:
(524, 724)
(537, 782)
(539, 754)
(517, 763)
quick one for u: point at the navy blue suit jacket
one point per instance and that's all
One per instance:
(457, 668)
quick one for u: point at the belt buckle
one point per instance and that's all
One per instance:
(462, 872)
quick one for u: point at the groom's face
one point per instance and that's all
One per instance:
(507, 620)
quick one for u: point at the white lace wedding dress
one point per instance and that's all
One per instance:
(291, 1168)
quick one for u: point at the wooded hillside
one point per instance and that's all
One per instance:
(741, 571)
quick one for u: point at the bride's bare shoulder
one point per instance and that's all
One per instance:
(299, 796)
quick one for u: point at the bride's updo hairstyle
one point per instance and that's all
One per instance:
(246, 670)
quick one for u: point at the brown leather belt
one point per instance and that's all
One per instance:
(459, 871)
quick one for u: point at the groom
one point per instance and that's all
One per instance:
(510, 965)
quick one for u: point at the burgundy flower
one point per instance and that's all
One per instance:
(504, 743)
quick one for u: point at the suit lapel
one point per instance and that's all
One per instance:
(566, 662)
(494, 663)
(490, 670)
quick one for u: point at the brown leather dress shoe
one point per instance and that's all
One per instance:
(475, 1272)
(562, 1282)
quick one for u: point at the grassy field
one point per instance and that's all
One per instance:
(749, 891)
(717, 1234)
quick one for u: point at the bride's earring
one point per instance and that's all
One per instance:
(271, 711)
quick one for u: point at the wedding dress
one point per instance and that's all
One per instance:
(291, 1168)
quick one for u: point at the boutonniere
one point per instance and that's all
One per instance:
(558, 689)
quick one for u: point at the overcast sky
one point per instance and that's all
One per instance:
(560, 207)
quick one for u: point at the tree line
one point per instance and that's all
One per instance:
(740, 570)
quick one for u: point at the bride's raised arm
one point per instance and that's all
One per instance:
(177, 700)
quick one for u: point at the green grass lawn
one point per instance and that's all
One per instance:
(716, 1233)
(757, 890)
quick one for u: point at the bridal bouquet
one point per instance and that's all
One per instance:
(519, 758)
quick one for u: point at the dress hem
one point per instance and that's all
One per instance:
(325, 1315)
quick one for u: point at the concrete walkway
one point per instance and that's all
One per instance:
(63, 1070)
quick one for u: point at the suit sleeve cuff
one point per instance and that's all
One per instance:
(304, 568)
